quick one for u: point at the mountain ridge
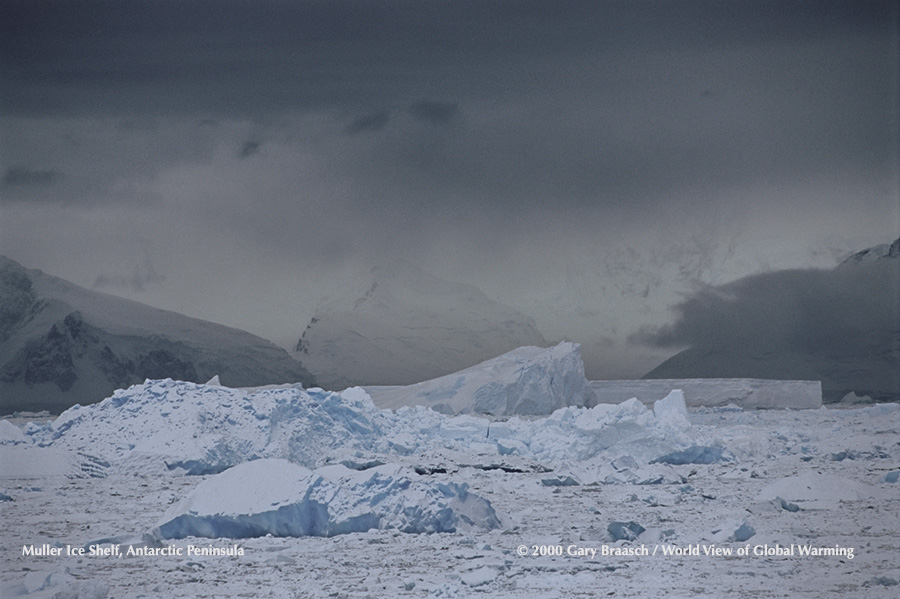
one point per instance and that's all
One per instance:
(62, 344)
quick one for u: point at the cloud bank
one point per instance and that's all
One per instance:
(841, 326)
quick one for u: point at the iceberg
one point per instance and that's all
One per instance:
(197, 429)
(279, 498)
(10, 434)
(527, 380)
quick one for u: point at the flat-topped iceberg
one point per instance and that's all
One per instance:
(527, 380)
(279, 498)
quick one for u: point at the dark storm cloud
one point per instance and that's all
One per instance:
(853, 309)
(584, 104)
(239, 57)
(19, 176)
(583, 101)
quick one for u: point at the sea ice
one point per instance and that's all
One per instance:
(743, 532)
(812, 486)
(736, 531)
(671, 412)
(695, 454)
(59, 584)
(479, 576)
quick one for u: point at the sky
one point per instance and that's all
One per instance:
(593, 164)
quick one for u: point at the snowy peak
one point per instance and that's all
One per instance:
(878, 252)
(406, 325)
(61, 344)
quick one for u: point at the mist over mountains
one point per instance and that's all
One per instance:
(407, 326)
(840, 326)
(61, 344)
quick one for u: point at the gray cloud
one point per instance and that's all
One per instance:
(249, 149)
(374, 121)
(232, 57)
(19, 176)
(433, 112)
(851, 310)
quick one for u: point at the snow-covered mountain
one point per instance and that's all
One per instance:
(878, 252)
(407, 326)
(61, 344)
(839, 326)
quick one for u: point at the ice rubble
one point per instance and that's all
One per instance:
(627, 531)
(527, 380)
(277, 497)
(205, 429)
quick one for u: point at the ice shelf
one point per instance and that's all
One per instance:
(745, 393)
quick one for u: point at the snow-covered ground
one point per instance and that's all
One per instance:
(560, 506)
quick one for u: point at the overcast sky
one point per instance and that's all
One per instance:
(590, 163)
